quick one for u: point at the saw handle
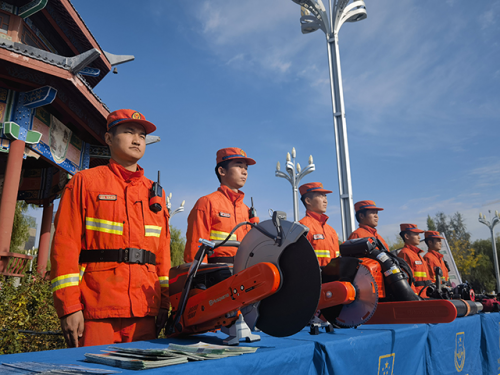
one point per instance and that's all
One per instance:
(205, 248)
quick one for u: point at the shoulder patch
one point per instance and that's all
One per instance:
(318, 236)
(106, 197)
(224, 214)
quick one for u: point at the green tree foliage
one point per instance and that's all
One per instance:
(431, 225)
(20, 229)
(177, 244)
(472, 260)
(28, 307)
(397, 244)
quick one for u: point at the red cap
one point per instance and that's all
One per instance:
(433, 234)
(366, 205)
(231, 153)
(313, 187)
(122, 116)
(410, 228)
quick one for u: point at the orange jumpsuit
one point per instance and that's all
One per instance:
(322, 237)
(213, 217)
(107, 207)
(366, 231)
(411, 254)
(435, 259)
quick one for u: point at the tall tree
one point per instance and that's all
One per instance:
(431, 225)
(20, 228)
(177, 244)
(442, 225)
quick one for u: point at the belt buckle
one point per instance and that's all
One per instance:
(135, 255)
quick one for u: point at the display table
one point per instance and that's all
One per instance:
(469, 345)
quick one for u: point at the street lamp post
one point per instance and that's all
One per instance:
(295, 174)
(169, 207)
(315, 16)
(494, 221)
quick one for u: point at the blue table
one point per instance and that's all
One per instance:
(469, 345)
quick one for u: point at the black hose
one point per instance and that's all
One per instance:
(395, 281)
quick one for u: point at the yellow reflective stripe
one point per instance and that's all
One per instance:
(420, 274)
(163, 281)
(105, 226)
(82, 271)
(216, 235)
(337, 254)
(152, 230)
(64, 281)
(322, 253)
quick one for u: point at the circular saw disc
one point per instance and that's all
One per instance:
(290, 309)
(365, 304)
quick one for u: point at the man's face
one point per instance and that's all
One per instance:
(235, 175)
(128, 144)
(435, 244)
(370, 218)
(412, 238)
(317, 203)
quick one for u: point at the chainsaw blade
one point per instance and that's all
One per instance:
(365, 304)
(289, 310)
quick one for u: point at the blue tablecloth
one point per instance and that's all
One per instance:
(469, 345)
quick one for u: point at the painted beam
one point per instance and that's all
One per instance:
(31, 8)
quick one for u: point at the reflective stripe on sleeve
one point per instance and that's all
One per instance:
(420, 274)
(163, 281)
(105, 226)
(152, 231)
(64, 281)
(221, 236)
(82, 271)
(322, 253)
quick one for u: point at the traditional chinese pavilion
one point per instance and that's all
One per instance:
(51, 122)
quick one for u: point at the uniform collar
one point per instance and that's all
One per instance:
(436, 253)
(231, 195)
(125, 174)
(415, 249)
(322, 218)
(368, 228)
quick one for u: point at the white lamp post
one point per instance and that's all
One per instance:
(169, 207)
(295, 174)
(315, 16)
(494, 221)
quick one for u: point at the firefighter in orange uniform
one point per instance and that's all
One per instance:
(111, 253)
(433, 257)
(412, 255)
(367, 217)
(322, 236)
(215, 215)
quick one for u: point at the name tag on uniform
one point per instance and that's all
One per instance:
(224, 214)
(418, 262)
(318, 237)
(107, 197)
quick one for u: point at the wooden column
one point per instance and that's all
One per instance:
(43, 245)
(9, 198)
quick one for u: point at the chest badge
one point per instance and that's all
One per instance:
(106, 197)
(318, 237)
(418, 262)
(224, 214)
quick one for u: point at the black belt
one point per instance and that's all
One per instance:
(221, 260)
(127, 255)
(422, 283)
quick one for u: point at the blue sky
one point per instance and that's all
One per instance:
(421, 88)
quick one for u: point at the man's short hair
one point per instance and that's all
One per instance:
(222, 164)
(306, 195)
(402, 234)
(112, 131)
(359, 213)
